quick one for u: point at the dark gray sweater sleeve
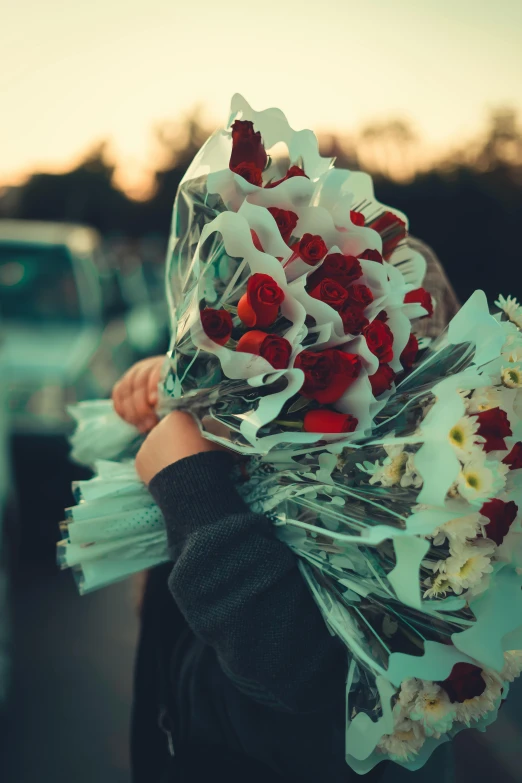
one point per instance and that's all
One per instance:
(241, 591)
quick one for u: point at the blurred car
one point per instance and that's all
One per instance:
(5, 544)
(70, 333)
(70, 329)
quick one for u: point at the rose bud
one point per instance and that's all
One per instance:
(330, 292)
(344, 269)
(328, 374)
(293, 171)
(372, 255)
(276, 350)
(501, 516)
(422, 297)
(217, 324)
(359, 296)
(391, 229)
(286, 221)
(493, 427)
(357, 218)
(247, 146)
(329, 421)
(465, 682)
(250, 172)
(354, 320)
(410, 351)
(311, 249)
(382, 380)
(379, 338)
(259, 306)
(514, 458)
(382, 315)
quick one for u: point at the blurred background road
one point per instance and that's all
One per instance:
(103, 107)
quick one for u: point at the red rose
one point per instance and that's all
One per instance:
(382, 380)
(501, 516)
(372, 255)
(494, 427)
(260, 305)
(514, 458)
(329, 421)
(422, 297)
(410, 351)
(353, 319)
(330, 292)
(274, 349)
(359, 296)
(217, 324)
(311, 249)
(328, 374)
(286, 221)
(391, 229)
(382, 315)
(247, 146)
(293, 171)
(357, 218)
(344, 269)
(465, 682)
(250, 172)
(379, 338)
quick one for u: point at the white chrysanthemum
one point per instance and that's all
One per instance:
(433, 709)
(410, 477)
(480, 479)
(512, 666)
(511, 376)
(459, 529)
(438, 587)
(472, 710)
(467, 564)
(511, 308)
(463, 437)
(392, 469)
(405, 742)
(483, 399)
(409, 691)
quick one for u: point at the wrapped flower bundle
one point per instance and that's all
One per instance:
(390, 467)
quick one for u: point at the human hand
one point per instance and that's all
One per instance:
(135, 396)
(175, 437)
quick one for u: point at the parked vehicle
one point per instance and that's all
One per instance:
(70, 333)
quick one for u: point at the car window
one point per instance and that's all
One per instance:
(37, 283)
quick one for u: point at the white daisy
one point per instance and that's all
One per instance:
(405, 742)
(511, 376)
(463, 437)
(467, 564)
(472, 710)
(459, 529)
(433, 709)
(483, 399)
(511, 308)
(480, 479)
(512, 666)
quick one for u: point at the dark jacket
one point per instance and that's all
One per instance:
(235, 661)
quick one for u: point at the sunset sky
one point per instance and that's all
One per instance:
(72, 73)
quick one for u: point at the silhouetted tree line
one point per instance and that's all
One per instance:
(468, 207)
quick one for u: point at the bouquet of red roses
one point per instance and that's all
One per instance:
(389, 466)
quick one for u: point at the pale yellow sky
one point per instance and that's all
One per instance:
(72, 73)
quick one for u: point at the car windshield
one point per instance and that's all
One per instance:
(37, 283)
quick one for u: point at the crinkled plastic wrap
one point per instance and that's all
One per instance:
(410, 564)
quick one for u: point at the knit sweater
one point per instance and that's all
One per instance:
(248, 665)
